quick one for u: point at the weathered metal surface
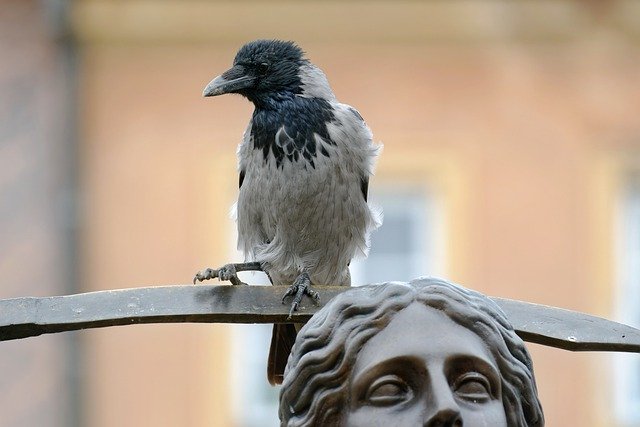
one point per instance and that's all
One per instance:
(32, 316)
(569, 330)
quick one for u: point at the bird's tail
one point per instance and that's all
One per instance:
(282, 339)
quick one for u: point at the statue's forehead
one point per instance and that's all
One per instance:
(423, 332)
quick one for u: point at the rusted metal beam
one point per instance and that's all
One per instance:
(31, 316)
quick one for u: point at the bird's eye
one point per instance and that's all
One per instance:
(263, 67)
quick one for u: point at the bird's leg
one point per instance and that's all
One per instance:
(227, 272)
(300, 288)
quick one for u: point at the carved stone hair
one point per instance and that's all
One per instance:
(316, 378)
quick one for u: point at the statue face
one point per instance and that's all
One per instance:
(424, 369)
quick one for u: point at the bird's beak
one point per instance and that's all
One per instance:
(231, 81)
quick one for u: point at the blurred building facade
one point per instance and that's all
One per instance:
(512, 150)
(38, 377)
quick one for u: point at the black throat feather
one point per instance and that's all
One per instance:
(301, 118)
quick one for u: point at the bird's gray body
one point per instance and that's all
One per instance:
(297, 218)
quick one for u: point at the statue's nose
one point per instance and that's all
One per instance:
(442, 410)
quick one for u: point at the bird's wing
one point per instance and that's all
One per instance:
(365, 133)
(242, 172)
(364, 186)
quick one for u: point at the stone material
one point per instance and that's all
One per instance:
(405, 354)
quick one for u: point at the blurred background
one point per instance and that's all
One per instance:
(511, 165)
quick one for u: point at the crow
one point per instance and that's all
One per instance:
(304, 161)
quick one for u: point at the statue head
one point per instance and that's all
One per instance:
(425, 352)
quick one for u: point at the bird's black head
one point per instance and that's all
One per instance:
(263, 71)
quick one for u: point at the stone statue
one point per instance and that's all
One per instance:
(423, 353)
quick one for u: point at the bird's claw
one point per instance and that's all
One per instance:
(224, 273)
(300, 288)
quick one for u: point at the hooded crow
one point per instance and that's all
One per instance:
(304, 162)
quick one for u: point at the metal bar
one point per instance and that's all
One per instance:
(31, 316)
(568, 330)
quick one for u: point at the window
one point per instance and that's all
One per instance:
(255, 402)
(405, 247)
(627, 366)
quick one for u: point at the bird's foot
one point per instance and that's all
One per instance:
(226, 272)
(300, 288)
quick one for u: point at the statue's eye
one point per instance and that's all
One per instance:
(263, 67)
(473, 387)
(387, 391)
